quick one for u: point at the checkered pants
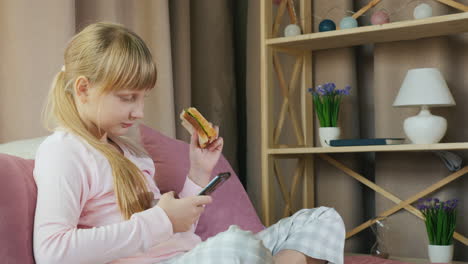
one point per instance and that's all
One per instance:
(318, 233)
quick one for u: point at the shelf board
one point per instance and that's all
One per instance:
(376, 148)
(404, 259)
(403, 30)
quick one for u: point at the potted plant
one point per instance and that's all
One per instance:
(440, 219)
(327, 100)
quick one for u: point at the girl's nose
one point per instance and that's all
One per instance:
(137, 112)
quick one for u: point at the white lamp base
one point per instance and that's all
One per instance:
(425, 128)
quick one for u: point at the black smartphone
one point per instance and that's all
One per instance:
(215, 183)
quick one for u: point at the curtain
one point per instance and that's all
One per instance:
(191, 42)
(375, 73)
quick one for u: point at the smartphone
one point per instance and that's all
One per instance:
(215, 183)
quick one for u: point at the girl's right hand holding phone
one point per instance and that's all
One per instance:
(183, 212)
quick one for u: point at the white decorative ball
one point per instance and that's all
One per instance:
(292, 30)
(422, 11)
(348, 22)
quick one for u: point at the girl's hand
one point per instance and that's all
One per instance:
(202, 161)
(184, 212)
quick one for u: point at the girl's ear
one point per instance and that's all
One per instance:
(82, 87)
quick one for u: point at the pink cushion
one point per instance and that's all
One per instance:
(17, 205)
(231, 204)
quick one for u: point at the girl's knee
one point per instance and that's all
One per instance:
(324, 215)
(329, 212)
(241, 238)
(242, 245)
(332, 218)
(234, 233)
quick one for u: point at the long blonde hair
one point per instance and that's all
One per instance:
(113, 58)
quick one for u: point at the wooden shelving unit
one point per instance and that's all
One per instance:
(302, 47)
(383, 148)
(407, 260)
(396, 31)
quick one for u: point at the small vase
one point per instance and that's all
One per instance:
(328, 133)
(440, 254)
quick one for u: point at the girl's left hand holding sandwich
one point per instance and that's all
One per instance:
(202, 161)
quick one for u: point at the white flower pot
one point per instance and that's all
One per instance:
(328, 133)
(440, 254)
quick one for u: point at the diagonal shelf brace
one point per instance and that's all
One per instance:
(288, 196)
(292, 12)
(299, 171)
(365, 8)
(400, 204)
(455, 4)
(286, 93)
(284, 191)
(279, 16)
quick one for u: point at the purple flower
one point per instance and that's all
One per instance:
(452, 204)
(347, 90)
(344, 91)
(329, 88)
(421, 207)
(439, 215)
(327, 100)
(321, 91)
(436, 204)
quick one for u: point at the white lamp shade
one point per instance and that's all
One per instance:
(424, 86)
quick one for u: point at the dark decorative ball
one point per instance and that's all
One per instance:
(327, 25)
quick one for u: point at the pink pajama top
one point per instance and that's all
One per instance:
(77, 218)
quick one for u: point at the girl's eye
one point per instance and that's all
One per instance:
(127, 99)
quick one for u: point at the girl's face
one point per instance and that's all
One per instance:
(114, 113)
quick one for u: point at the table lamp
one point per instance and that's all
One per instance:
(424, 87)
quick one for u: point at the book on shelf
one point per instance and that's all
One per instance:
(365, 142)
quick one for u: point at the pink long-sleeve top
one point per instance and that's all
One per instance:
(77, 217)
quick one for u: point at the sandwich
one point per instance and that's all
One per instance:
(193, 121)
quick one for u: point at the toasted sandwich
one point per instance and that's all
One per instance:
(193, 121)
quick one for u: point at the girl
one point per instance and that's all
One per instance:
(97, 201)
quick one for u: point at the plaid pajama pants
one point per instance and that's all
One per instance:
(318, 233)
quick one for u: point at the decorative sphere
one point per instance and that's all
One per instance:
(348, 22)
(327, 25)
(422, 11)
(292, 30)
(379, 18)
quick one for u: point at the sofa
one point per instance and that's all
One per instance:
(18, 192)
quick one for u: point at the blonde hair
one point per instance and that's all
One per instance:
(112, 58)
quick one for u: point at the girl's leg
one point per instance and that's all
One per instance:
(233, 246)
(317, 233)
(288, 256)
